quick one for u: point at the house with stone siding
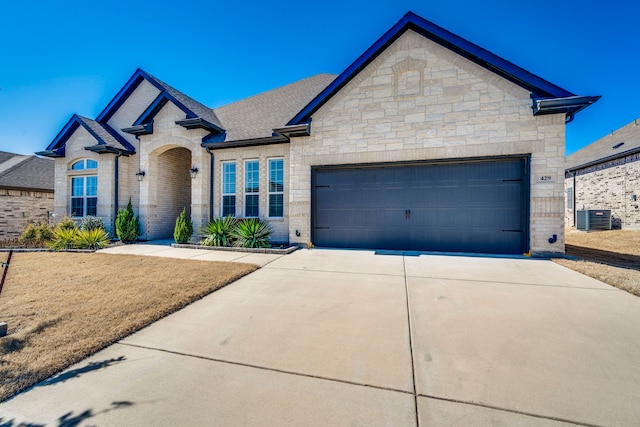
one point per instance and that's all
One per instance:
(26, 192)
(606, 175)
(426, 142)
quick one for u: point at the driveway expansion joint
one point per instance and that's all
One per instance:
(264, 368)
(413, 367)
(336, 271)
(496, 282)
(513, 411)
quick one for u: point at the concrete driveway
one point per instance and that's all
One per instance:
(355, 338)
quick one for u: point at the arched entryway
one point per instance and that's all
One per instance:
(171, 188)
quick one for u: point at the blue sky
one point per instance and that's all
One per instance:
(64, 57)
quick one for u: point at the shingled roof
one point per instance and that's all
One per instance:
(257, 116)
(196, 107)
(620, 143)
(102, 134)
(26, 172)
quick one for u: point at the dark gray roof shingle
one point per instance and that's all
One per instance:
(198, 108)
(4, 156)
(258, 115)
(32, 173)
(104, 137)
(603, 148)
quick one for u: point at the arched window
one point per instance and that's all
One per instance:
(84, 189)
(84, 164)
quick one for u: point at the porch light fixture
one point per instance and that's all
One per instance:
(140, 175)
(193, 171)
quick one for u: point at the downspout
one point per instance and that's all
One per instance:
(574, 198)
(211, 174)
(115, 192)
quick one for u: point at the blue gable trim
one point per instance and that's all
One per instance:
(125, 92)
(157, 105)
(539, 87)
(61, 139)
(59, 142)
(119, 138)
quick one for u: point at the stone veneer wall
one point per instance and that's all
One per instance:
(75, 151)
(609, 188)
(157, 215)
(420, 101)
(280, 226)
(20, 207)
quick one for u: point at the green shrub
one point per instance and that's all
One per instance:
(251, 233)
(91, 223)
(95, 238)
(218, 232)
(184, 228)
(36, 234)
(67, 224)
(127, 225)
(64, 238)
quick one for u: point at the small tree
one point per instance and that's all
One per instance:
(183, 229)
(127, 225)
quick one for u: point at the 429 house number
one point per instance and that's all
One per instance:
(545, 178)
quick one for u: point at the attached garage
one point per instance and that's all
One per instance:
(478, 206)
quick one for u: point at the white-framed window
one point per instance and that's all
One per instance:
(276, 188)
(251, 188)
(570, 198)
(84, 189)
(229, 188)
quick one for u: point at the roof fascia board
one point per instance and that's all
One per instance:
(124, 93)
(568, 105)
(465, 48)
(199, 123)
(604, 159)
(59, 142)
(65, 133)
(118, 137)
(108, 149)
(245, 142)
(59, 152)
(41, 190)
(157, 105)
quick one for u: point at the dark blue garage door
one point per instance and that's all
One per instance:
(473, 206)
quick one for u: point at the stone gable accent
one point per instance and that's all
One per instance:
(463, 111)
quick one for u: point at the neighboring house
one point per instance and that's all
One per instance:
(606, 175)
(425, 142)
(26, 192)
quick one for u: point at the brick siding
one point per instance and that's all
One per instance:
(20, 207)
(608, 188)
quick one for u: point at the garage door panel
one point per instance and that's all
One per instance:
(476, 206)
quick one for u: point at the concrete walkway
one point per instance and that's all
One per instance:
(346, 338)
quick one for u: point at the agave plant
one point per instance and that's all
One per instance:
(92, 239)
(64, 238)
(218, 232)
(251, 233)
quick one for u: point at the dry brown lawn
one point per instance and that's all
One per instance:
(62, 307)
(610, 256)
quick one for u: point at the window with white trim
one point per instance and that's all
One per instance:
(84, 189)
(229, 188)
(276, 188)
(570, 198)
(251, 188)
